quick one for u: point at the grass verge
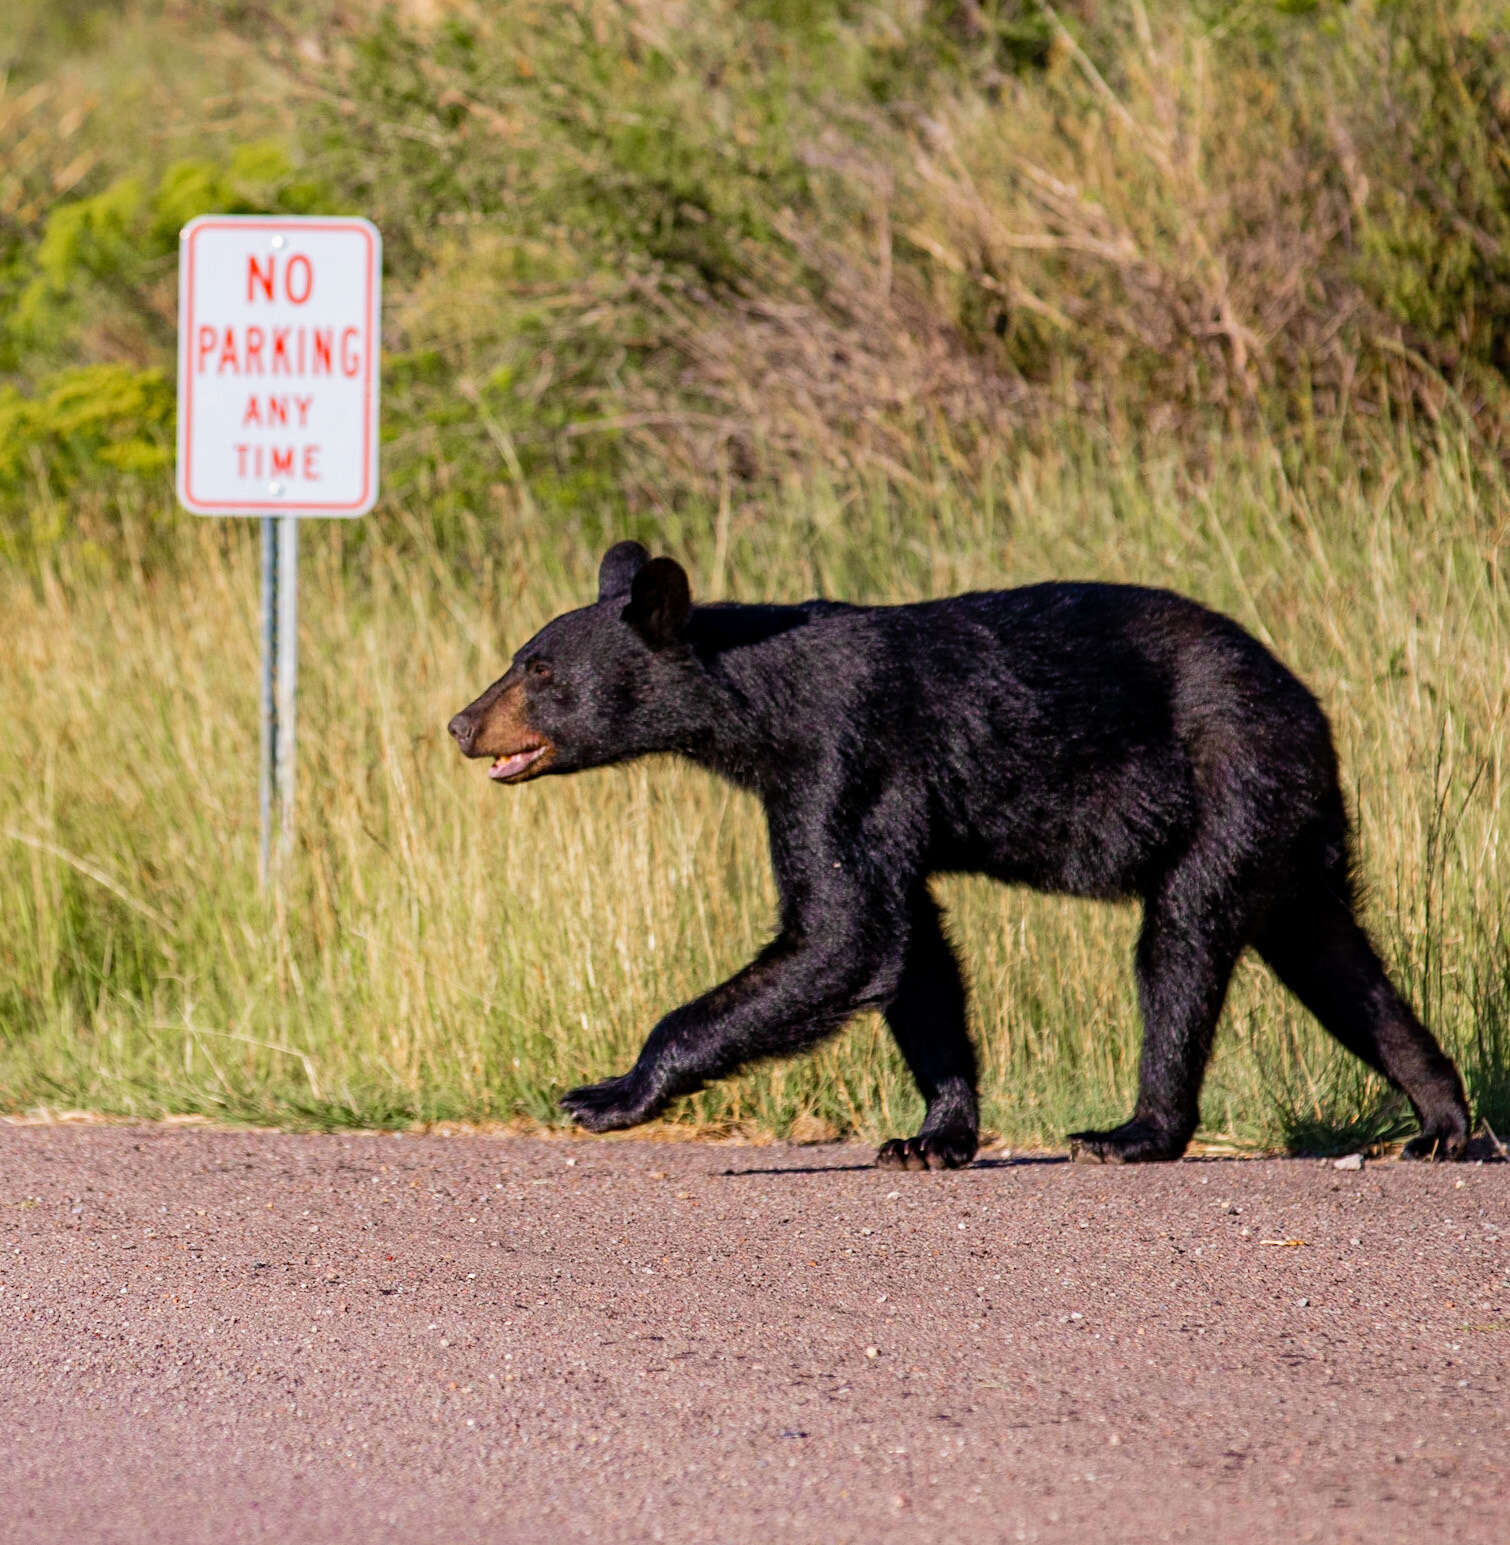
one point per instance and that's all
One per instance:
(443, 950)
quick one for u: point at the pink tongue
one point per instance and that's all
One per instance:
(506, 767)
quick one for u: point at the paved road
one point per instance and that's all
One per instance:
(232, 1336)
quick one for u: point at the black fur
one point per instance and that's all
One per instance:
(1095, 740)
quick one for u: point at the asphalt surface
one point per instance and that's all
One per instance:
(230, 1336)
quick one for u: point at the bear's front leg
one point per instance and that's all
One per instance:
(927, 1018)
(800, 988)
(1187, 948)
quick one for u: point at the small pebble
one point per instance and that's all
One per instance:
(1349, 1161)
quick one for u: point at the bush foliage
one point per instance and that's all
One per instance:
(879, 300)
(638, 251)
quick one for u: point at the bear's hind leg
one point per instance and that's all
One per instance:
(1320, 952)
(927, 1018)
(1186, 951)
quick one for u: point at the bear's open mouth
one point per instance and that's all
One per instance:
(510, 765)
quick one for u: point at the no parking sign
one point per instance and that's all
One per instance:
(278, 415)
(278, 365)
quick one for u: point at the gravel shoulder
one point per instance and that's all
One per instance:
(221, 1336)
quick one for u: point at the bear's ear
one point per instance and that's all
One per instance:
(620, 564)
(659, 601)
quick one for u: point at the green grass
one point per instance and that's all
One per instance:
(446, 950)
(876, 301)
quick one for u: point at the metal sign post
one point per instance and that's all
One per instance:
(268, 739)
(287, 633)
(280, 679)
(278, 325)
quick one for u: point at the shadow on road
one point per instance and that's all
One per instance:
(854, 1169)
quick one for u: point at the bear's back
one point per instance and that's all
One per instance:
(1063, 734)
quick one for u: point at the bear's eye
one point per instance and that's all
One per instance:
(539, 670)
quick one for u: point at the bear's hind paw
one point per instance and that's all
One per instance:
(1438, 1142)
(1134, 1142)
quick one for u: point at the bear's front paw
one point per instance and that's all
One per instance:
(614, 1103)
(1134, 1142)
(928, 1150)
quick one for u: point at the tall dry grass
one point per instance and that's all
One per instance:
(445, 949)
(882, 302)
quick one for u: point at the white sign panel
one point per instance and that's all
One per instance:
(278, 365)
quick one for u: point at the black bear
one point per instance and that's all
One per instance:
(1091, 739)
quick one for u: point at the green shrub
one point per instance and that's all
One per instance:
(638, 259)
(1434, 249)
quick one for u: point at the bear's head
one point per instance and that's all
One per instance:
(594, 686)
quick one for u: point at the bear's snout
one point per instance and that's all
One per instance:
(498, 725)
(464, 731)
